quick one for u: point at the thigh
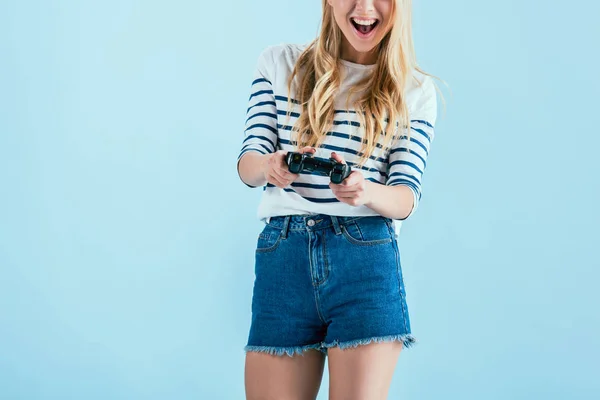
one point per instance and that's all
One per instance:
(269, 377)
(364, 372)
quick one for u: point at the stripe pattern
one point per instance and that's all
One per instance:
(268, 129)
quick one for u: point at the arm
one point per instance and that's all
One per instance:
(407, 163)
(260, 135)
(251, 169)
(399, 197)
(396, 202)
(259, 161)
(408, 158)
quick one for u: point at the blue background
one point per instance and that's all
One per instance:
(126, 238)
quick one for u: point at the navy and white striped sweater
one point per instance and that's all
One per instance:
(268, 129)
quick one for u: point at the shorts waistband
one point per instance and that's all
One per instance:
(315, 222)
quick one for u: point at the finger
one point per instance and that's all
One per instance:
(355, 181)
(276, 180)
(355, 178)
(282, 174)
(354, 202)
(347, 200)
(349, 195)
(281, 168)
(282, 183)
(337, 157)
(341, 190)
(307, 149)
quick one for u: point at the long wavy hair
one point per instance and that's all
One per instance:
(382, 93)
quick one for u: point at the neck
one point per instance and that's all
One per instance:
(348, 53)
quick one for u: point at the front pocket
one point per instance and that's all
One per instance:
(268, 240)
(367, 232)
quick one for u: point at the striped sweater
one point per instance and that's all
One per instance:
(268, 129)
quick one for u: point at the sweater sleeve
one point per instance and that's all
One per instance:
(408, 155)
(260, 134)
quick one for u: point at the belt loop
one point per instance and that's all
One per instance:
(286, 226)
(336, 225)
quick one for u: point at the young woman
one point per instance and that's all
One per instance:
(328, 275)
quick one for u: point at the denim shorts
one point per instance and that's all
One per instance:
(323, 281)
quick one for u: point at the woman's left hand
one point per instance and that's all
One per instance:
(353, 190)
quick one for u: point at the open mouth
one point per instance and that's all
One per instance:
(364, 26)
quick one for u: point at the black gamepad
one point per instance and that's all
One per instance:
(305, 162)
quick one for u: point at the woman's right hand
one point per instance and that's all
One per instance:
(276, 171)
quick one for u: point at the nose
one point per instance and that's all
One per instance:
(365, 5)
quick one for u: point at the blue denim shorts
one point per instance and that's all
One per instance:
(323, 281)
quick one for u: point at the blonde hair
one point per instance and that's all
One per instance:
(319, 78)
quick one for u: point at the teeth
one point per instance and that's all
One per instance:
(366, 22)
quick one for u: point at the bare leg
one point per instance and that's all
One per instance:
(362, 373)
(270, 377)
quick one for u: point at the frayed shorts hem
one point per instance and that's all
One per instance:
(406, 340)
(280, 351)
